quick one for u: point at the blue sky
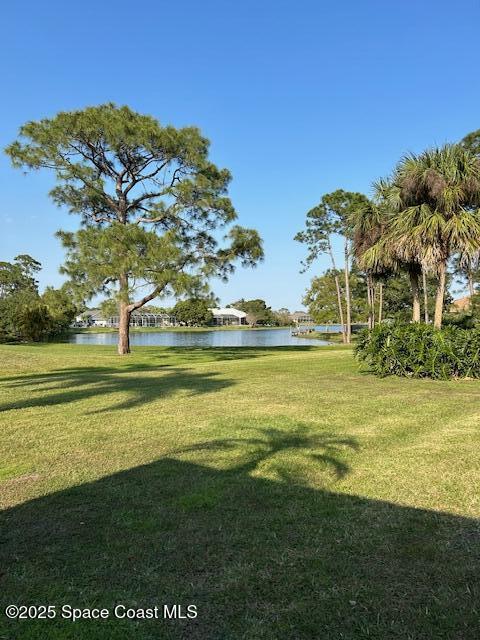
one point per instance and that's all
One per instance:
(298, 99)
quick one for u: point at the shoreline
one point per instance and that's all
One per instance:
(174, 329)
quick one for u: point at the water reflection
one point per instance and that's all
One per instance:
(231, 338)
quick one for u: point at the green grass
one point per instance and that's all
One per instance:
(282, 491)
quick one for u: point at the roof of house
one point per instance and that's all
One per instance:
(95, 314)
(461, 304)
(229, 311)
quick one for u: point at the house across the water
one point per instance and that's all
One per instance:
(95, 318)
(146, 319)
(301, 317)
(228, 316)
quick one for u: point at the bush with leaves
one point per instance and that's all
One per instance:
(461, 320)
(258, 313)
(420, 351)
(193, 312)
(34, 323)
(24, 313)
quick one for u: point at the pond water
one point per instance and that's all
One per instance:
(230, 338)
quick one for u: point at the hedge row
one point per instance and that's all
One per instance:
(420, 351)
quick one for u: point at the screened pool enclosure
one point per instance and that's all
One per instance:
(144, 320)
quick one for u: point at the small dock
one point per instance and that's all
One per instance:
(302, 329)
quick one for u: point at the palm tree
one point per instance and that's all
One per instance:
(378, 252)
(404, 252)
(367, 225)
(435, 198)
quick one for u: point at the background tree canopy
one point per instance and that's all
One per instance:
(24, 313)
(257, 311)
(321, 297)
(333, 216)
(193, 312)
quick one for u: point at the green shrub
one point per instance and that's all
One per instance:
(420, 351)
(461, 320)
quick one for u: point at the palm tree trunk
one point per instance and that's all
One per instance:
(470, 283)
(370, 301)
(442, 274)
(373, 296)
(380, 301)
(339, 293)
(347, 295)
(415, 295)
(425, 296)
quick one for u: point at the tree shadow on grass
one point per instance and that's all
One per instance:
(81, 383)
(62, 386)
(190, 353)
(259, 558)
(321, 447)
(219, 354)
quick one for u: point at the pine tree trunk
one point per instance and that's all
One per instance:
(124, 321)
(380, 301)
(124, 330)
(339, 294)
(442, 273)
(415, 295)
(347, 296)
(425, 296)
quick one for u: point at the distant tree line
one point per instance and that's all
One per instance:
(24, 313)
(395, 303)
(259, 314)
(196, 312)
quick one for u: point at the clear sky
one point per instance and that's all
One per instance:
(298, 99)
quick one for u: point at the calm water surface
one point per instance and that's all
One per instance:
(233, 338)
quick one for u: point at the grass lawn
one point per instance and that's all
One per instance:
(282, 491)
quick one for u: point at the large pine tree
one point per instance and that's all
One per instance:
(152, 205)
